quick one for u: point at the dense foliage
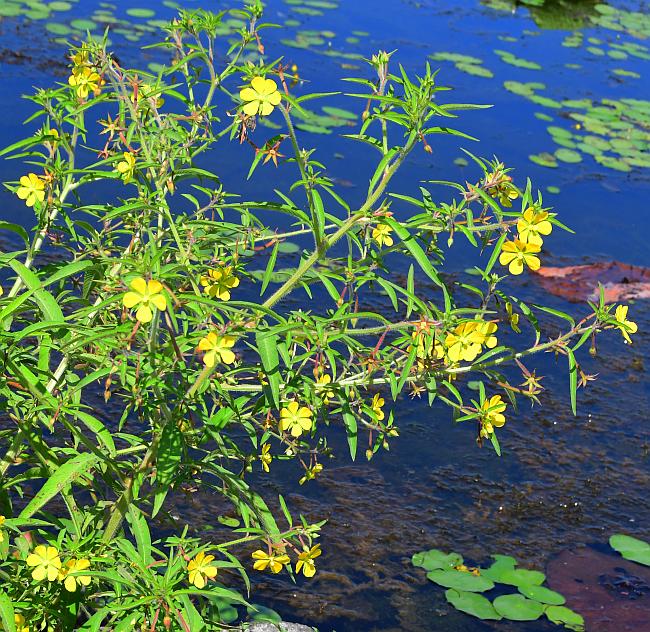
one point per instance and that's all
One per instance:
(138, 284)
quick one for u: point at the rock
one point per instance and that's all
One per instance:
(620, 281)
(281, 627)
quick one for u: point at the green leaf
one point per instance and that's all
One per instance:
(140, 531)
(7, 613)
(573, 380)
(502, 564)
(351, 429)
(565, 616)
(169, 455)
(15, 228)
(472, 604)
(267, 345)
(460, 580)
(542, 594)
(414, 248)
(45, 301)
(631, 548)
(66, 474)
(435, 559)
(522, 577)
(518, 608)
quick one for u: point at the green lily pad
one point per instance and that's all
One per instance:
(522, 577)
(58, 29)
(518, 608)
(472, 604)
(542, 594)
(560, 615)
(83, 25)
(568, 155)
(631, 549)
(460, 580)
(475, 70)
(543, 160)
(435, 559)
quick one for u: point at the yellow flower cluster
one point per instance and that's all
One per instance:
(523, 250)
(276, 561)
(466, 341)
(218, 283)
(84, 79)
(491, 415)
(46, 564)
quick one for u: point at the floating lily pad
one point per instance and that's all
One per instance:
(436, 559)
(543, 160)
(473, 604)
(518, 608)
(543, 595)
(568, 155)
(460, 580)
(631, 549)
(560, 615)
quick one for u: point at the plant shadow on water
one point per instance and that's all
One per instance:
(562, 481)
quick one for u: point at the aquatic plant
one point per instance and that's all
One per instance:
(466, 586)
(148, 341)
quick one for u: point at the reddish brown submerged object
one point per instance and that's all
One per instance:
(612, 594)
(621, 282)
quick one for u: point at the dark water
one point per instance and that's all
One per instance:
(562, 481)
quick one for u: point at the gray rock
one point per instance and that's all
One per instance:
(281, 627)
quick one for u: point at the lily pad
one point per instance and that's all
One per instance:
(568, 155)
(435, 559)
(560, 615)
(518, 608)
(543, 595)
(472, 604)
(631, 549)
(460, 580)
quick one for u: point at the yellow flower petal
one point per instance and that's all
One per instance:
(159, 301)
(250, 108)
(139, 285)
(144, 314)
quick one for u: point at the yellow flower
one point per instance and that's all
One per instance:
(69, 580)
(218, 283)
(532, 225)
(31, 189)
(515, 254)
(325, 392)
(275, 563)
(46, 563)
(200, 569)
(311, 473)
(218, 348)
(491, 412)
(377, 405)
(265, 457)
(126, 167)
(295, 419)
(261, 96)
(2, 518)
(626, 326)
(464, 343)
(85, 80)
(145, 294)
(487, 330)
(381, 234)
(19, 622)
(306, 561)
(1, 290)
